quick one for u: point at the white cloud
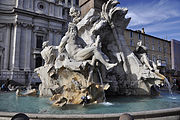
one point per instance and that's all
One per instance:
(163, 26)
(175, 35)
(155, 11)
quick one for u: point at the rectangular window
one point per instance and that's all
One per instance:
(1, 36)
(140, 36)
(165, 47)
(159, 57)
(77, 2)
(131, 34)
(159, 49)
(165, 50)
(0, 63)
(39, 41)
(146, 42)
(159, 46)
(166, 59)
(69, 1)
(63, 12)
(152, 41)
(131, 42)
(38, 62)
(153, 47)
(154, 58)
(147, 45)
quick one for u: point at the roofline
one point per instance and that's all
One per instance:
(148, 35)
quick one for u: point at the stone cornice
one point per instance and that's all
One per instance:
(17, 10)
(35, 28)
(25, 25)
(58, 3)
(2, 25)
(55, 30)
(40, 28)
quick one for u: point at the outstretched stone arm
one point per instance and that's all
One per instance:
(63, 43)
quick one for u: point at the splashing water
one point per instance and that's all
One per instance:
(107, 103)
(30, 81)
(169, 86)
(101, 83)
(167, 82)
(170, 91)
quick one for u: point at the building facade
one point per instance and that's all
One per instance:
(159, 50)
(175, 56)
(24, 25)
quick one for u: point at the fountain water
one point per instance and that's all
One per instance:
(30, 80)
(167, 82)
(168, 86)
(70, 75)
(101, 80)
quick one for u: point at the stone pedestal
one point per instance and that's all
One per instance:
(86, 5)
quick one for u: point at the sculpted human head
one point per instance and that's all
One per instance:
(45, 44)
(139, 43)
(72, 29)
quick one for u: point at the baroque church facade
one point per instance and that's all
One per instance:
(24, 26)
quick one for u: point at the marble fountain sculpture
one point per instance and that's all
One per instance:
(92, 57)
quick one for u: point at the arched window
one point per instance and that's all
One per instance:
(38, 62)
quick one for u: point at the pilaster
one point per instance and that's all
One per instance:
(16, 47)
(72, 3)
(52, 9)
(31, 2)
(50, 37)
(7, 47)
(20, 4)
(56, 11)
(28, 49)
(66, 2)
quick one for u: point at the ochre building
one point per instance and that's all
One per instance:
(159, 50)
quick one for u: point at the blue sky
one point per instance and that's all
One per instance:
(160, 18)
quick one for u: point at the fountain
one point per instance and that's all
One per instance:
(93, 57)
(93, 52)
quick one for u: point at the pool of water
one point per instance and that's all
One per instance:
(10, 103)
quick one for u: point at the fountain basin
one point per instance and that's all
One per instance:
(138, 106)
(164, 114)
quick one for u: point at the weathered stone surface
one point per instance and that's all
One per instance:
(93, 52)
